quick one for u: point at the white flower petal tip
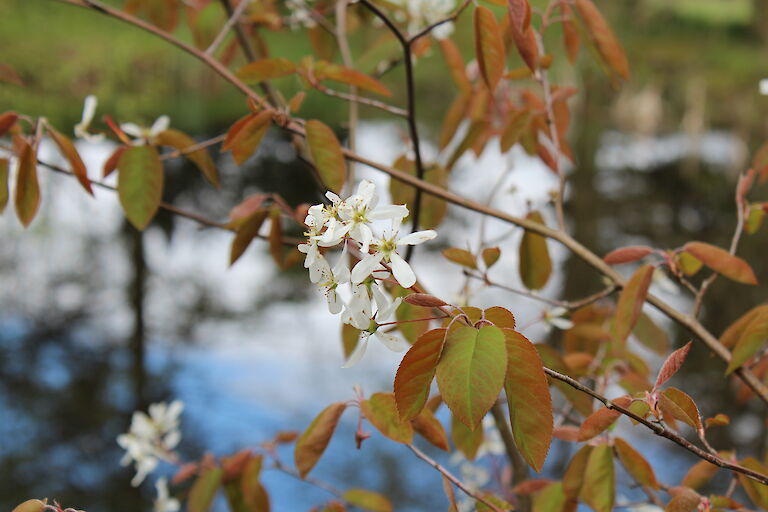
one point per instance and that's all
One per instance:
(357, 354)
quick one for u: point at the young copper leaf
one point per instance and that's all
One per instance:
(573, 478)
(530, 404)
(751, 341)
(200, 157)
(453, 118)
(500, 317)
(734, 332)
(535, 263)
(601, 420)
(367, 500)
(466, 441)
(380, 409)
(627, 254)
(722, 262)
(449, 493)
(426, 425)
(672, 364)
(27, 198)
(471, 371)
(522, 32)
(455, 65)
(631, 302)
(425, 300)
(461, 257)
(517, 124)
(571, 39)
(3, 184)
(204, 490)
(266, 69)
(31, 506)
(490, 256)
(608, 46)
(416, 371)
(110, 165)
(354, 77)
(680, 406)
(718, 420)
(489, 47)
(314, 440)
(758, 493)
(76, 164)
(699, 475)
(327, 155)
(635, 464)
(140, 184)
(245, 136)
(246, 232)
(599, 488)
(7, 120)
(683, 500)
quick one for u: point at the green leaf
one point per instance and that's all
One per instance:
(265, 69)
(680, 406)
(407, 313)
(350, 337)
(4, 195)
(460, 256)
(517, 124)
(597, 422)
(631, 302)
(550, 499)
(313, 442)
(380, 409)
(466, 441)
(651, 335)
(489, 47)
(530, 404)
(327, 155)
(535, 264)
(27, 197)
(751, 341)
(734, 332)
(573, 478)
(204, 490)
(471, 371)
(635, 464)
(599, 487)
(688, 263)
(608, 46)
(722, 262)
(244, 137)
(426, 425)
(140, 184)
(757, 492)
(368, 500)
(416, 371)
(246, 232)
(200, 157)
(683, 500)
(31, 506)
(76, 164)
(490, 256)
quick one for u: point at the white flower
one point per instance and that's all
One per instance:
(763, 84)
(164, 502)
(422, 13)
(81, 128)
(555, 318)
(143, 134)
(331, 278)
(386, 251)
(360, 210)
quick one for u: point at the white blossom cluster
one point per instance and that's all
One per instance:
(350, 221)
(422, 13)
(301, 14)
(151, 438)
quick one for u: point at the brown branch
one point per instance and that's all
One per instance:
(452, 17)
(360, 99)
(191, 149)
(233, 18)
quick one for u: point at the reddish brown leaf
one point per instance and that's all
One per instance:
(531, 486)
(460, 256)
(758, 493)
(751, 341)
(733, 333)
(535, 263)
(266, 69)
(489, 47)
(608, 46)
(4, 194)
(455, 65)
(327, 155)
(672, 364)
(522, 32)
(490, 256)
(313, 442)
(722, 262)
(111, 163)
(426, 425)
(27, 197)
(500, 317)
(718, 420)
(599, 421)
(353, 77)
(453, 118)
(181, 141)
(516, 125)
(631, 302)
(416, 371)
(699, 475)
(571, 38)
(380, 409)
(683, 500)
(627, 254)
(7, 120)
(9, 75)
(76, 164)
(424, 299)
(450, 494)
(246, 232)
(680, 406)
(635, 464)
(566, 433)
(245, 136)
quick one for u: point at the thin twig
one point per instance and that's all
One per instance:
(354, 99)
(191, 149)
(452, 17)
(227, 26)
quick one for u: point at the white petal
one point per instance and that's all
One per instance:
(89, 109)
(561, 323)
(391, 211)
(390, 309)
(358, 353)
(402, 271)
(160, 125)
(557, 311)
(341, 269)
(334, 304)
(392, 342)
(417, 237)
(333, 198)
(364, 267)
(132, 129)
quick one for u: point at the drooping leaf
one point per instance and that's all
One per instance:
(380, 409)
(407, 313)
(470, 373)
(522, 32)
(350, 337)
(354, 77)
(571, 39)
(605, 40)
(490, 256)
(751, 341)
(265, 69)
(530, 404)
(313, 442)
(734, 332)
(416, 371)
(424, 300)
(327, 155)
(4, 195)
(535, 263)
(599, 488)
(455, 65)
(200, 157)
(466, 441)
(450, 494)
(27, 197)
(110, 165)
(627, 254)
(244, 137)
(699, 475)
(489, 47)
(140, 184)
(276, 237)
(204, 490)
(76, 164)
(460, 256)
(651, 335)
(680, 406)
(516, 125)
(367, 500)
(631, 302)
(246, 232)
(426, 425)
(722, 262)
(757, 492)
(672, 364)
(573, 478)
(635, 464)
